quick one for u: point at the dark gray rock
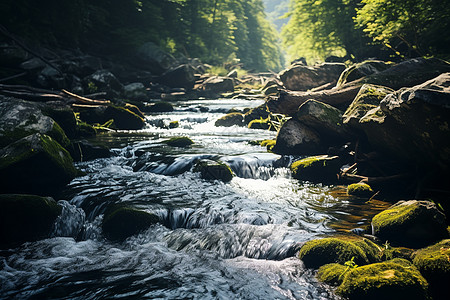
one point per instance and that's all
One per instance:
(296, 138)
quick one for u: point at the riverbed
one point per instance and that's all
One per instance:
(216, 240)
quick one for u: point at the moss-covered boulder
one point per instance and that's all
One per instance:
(124, 118)
(25, 218)
(395, 279)
(63, 114)
(360, 190)
(324, 119)
(174, 124)
(316, 253)
(230, 119)
(19, 118)
(295, 138)
(413, 224)
(259, 124)
(269, 144)
(179, 141)
(433, 263)
(36, 164)
(332, 274)
(160, 106)
(321, 168)
(256, 113)
(368, 98)
(362, 69)
(213, 170)
(122, 222)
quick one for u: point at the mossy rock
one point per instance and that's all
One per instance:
(321, 168)
(259, 124)
(230, 119)
(213, 170)
(395, 279)
(269, 144)
(174, 124)
(36, 164)
(26, 218)
(180, 141)
(62, 114)
(360, 190)
(120, 223)
(316, 253)
(362, 69)
(332, 274)
(85, 130)
(412, 224)
(257, 113)
(433, 263)
(19, 119)
(159, 107)
(124, 118)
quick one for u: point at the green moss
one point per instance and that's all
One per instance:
(317, 253)
(394, 216)
(305, 163)
(321, 168)
(360, 190)
(396, 279)
(85, 130)
(58, 155)
(269, 144)
(259, 124)
(181, 141)
(332, 274)
(434, 264)
(122, 222)
(25, 218)
(59, 135)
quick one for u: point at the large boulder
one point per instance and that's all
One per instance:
(433, 263)
(179, 77)
(302, 78)
(412, 124)
(362, 69)
(323, 118)
(321, 168)
(19, 118)
(103, 81)
(153, 58)
(26, 218)
(411, 224)
(394, 279)
(122, 222)
(368, 98)
(35, 164)
(296, 138)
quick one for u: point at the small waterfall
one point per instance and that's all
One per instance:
(70, 222)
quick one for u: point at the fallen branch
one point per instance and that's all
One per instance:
(13, 77)
(84, 100)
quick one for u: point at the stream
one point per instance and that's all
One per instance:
(216, 240)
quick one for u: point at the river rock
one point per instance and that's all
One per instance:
(433, 263)
(153, 58)
(50, 77)
(316, 253)
(324, 119)
(217, 85)
(412, 124)
(394, 279)
(123, 222)
(296, 138)
(103, 81)
(362, 69)
(179, 141)
(135, 91)
(160, 106)
(321, 168)
(411, 224)
(360, 190)
(83, 150)
(231, 119)
(11, 55)
(302, 78)
(19, 118)
(213, 170)
(368, 98)
(63, 114)
(26, 218)
(181, 76)
(35, 164)
(124, 119)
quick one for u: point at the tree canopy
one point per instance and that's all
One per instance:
(213, 30)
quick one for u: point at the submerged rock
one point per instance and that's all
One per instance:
(394, 279)
(302, 78)
(321, 168)
(35, 164)
(25, 218)
(433, 263)
(123, 222)
(213, 170)
(411, 224)
(181, 141)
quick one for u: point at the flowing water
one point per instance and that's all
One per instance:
(216, 240)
